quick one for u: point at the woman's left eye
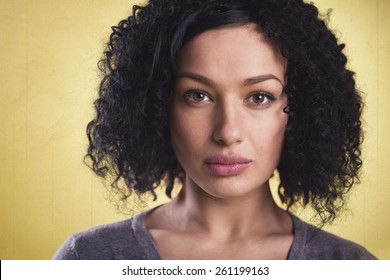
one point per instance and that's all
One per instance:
(261, 98)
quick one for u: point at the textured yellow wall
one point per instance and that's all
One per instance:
(48, 54)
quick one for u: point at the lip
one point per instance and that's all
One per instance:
(227, 165)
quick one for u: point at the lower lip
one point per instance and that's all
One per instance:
(227, 169)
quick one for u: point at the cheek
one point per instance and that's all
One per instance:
(278, 121)
(268, 135)
(188, 133)
(277, 137)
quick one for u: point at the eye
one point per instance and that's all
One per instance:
(261, 98)
(196, 96)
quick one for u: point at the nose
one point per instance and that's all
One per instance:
(228, 129)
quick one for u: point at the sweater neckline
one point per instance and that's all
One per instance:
(146, 240)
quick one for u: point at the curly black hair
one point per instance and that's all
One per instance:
(129, 137)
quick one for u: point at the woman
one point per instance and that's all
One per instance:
(217, 95)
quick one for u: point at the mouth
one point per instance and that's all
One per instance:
(227, 165)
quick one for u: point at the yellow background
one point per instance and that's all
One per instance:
(48, 55)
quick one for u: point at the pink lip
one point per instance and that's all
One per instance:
(227, 165)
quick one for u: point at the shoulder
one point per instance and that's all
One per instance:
(126, 239)
(316, 244)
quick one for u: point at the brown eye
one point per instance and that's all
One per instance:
(261, 98)
(258, 98)
(196, 96)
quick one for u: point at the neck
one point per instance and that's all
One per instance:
(195, 210)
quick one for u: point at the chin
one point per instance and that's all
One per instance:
(229, 188)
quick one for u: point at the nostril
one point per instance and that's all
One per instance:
(227, 136)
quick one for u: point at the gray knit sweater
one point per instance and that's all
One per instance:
(130, 240)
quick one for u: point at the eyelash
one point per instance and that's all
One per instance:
(269, 96)
(188, 96)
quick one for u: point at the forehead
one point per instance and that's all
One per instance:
(236, 52)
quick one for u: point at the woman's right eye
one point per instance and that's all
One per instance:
(196, 96)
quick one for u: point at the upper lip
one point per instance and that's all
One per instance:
(227, 159)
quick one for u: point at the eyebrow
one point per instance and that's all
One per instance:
(246, 83)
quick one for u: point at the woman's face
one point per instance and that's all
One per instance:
(227, 121)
